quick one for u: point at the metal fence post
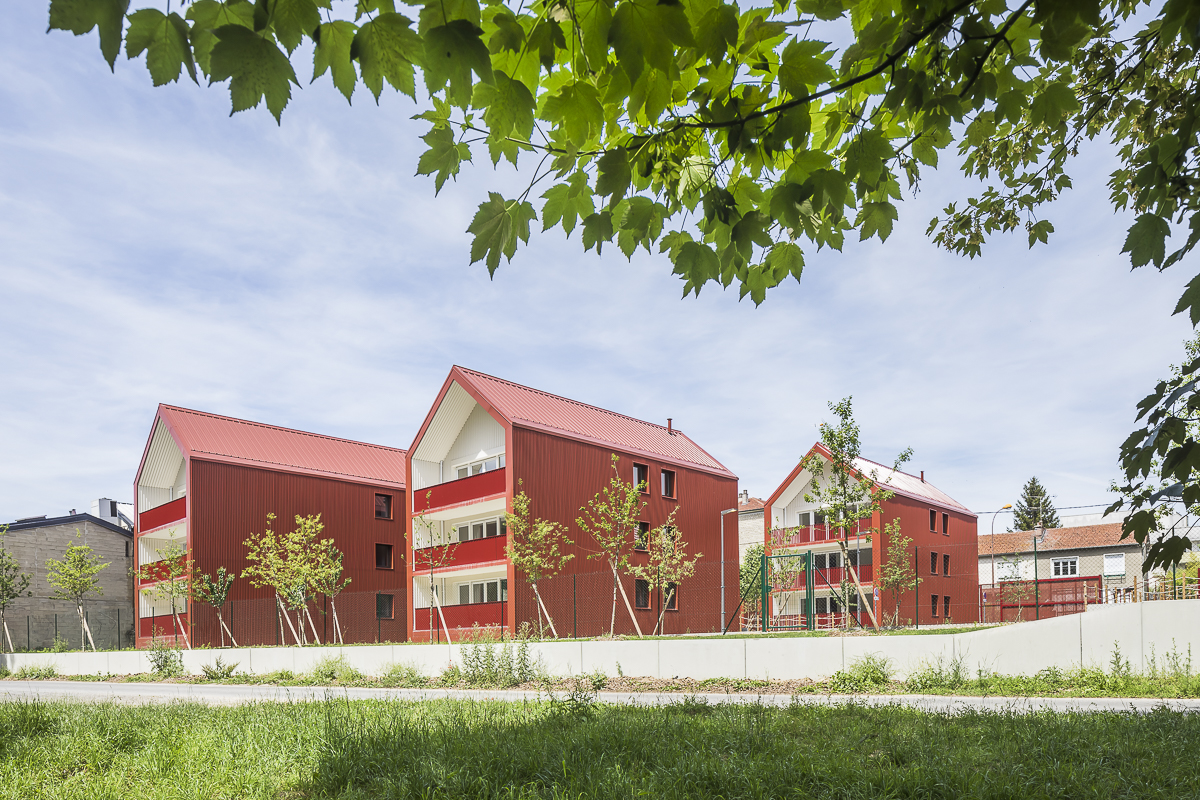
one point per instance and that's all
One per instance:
(56, 627)
(575, 605)
(917, 585)
(809, 587)
(28, 635)
(763, 584)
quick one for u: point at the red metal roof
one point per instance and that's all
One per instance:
(238, 441)
(532, 408)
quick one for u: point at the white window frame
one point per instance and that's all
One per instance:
(478, 466)
(501, 523)
(1109, 557)
(497, 587)
(1065, 567)
(1008, 571)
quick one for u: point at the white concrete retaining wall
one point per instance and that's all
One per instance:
(1142, 630)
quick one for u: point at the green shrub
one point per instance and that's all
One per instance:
(334, 670)
(59, 645)
(869, 673)
(37, 672)
(403, 676)
(940, 675)
(492, 664)
(165, 661)
(218, 670)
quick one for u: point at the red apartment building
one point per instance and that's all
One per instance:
(944, 549)
(486, 439)
(206, 482)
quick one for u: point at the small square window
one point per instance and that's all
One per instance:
(819, 561)
(835, 560)
(642, 538)
(503, 526)
(1066, 567)
(1114, 564)
(946, 523)
(834, 606)
(463, 472)
(641, 478)
(935, 604)
(464, 533)
(383, 506)
(492, 528)
(946, 606)
(933, 563)
(822, 606)
(383, 556)
(641, 593)
(668, 483)
(385, 606)
(477, 530)
(946, 564)
(672, 592)
(476, 592)
(493, 591)
(933, 520)
(464, 594)
(804, 519)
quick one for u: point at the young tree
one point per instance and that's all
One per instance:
(897, 573)
(783, 569)
(611, 519)
(535, 548)
(750, 579)
(267, 553)
(845, 494)
(14, 584)
(667, 565)
(214, 592)
(171, 575)
(326, 579)
(432, 558)
(304, 550)
(1034, 509)
(74, 579)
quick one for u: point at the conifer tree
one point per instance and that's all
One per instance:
(1034, 509)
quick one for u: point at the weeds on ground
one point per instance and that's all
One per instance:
(166, 661)
(36, 672)
(870, 673)
(335, 671)
(489, 663)
(403, 676)
(219, 670)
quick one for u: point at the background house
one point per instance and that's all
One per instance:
(208, 481)
(750, 523)
(33, 621)
(486, 439)
(943, 551)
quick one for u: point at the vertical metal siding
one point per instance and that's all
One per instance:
(228, 502)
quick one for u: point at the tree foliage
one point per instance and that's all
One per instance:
(14, 584)
(611, 519)
(734, 139)
(296, 565)
(897, 573)
(74, 578)
(1035, 509)
(214, 591)
(667, 564)
(170, 579)
(535, 547)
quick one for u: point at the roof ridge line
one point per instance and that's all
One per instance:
(281, 428)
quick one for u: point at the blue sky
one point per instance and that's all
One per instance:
(156, 249)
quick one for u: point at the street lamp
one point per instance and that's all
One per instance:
(1038, 533)
(997, 511)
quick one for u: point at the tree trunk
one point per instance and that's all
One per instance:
(279, 620)
(300, 627)
(312, 624)
(544, 611)
(663, 612)
(84, 628)
(284, 614)
(225, 627)
(629, 607)
(182, 630)
(7, 635)
(337, 627)
(442, 617)
(612, 623)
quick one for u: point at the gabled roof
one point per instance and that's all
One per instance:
(524, 407)
(751, 504)
(67, 519)
(887, 478)
(212, 437)
(1076, 538)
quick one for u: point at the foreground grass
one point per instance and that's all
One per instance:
(574, 748)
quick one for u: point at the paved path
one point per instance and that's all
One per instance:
(219, 694)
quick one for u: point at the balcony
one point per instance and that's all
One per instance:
(475, 551)
(826, 578)
(791, 537)
(462, 616)
(461, 491)
(162, 515)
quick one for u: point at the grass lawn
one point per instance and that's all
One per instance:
(575, 748)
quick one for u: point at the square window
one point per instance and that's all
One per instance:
(493, 591)
(383, 556)
(946, 524)
(946, 606)
(946, 564)
(477, 469)
(385, 606)
(642, 538)
(835, 560)
(822, 606)
(477, 530)
(834, 607)
(1114, 564)
(491, 528)
(463, 472)
(668, 483)
(819, 517)
(383, 506)
(933, 520)
(464, 533)
(476, 592)
(819, 561)
(503, 526)
(1065, 567)
(804, 519)
(933, 563)
(641, 593)
(491, 465)
(673, 593)
(464, 594)
(935, 604)
(641, 478)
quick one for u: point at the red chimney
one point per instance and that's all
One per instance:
(922, 476)
(669, 425)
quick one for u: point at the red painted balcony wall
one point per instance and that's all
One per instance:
(476, 551)
(463, 616)
(162, 515)
(459, 491)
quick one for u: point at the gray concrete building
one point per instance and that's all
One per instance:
(33, 621)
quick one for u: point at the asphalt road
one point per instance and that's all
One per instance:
(219, 694)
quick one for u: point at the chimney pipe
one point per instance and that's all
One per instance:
(669, 429)
(922, 476)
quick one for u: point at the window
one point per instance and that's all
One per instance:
(1066, 566)
(668, 483)
(860, 558)
(1114, 565)
(835, 560)
(946, 564)
(946, 524)
(494, 591)
(946, 606)
(479, 467)
(933, 563)
(935, 604)
(383, 506)
(491, 528)
(1008, 571)
(127, 549)
(933, 520)
(833, 606)
(819, 561)
(822, 606)
(642, 538)
(641, 478)
(641, 593)
(482, 529)
(673, 593)
(384, 606)
(804, 519)
(383, 556)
